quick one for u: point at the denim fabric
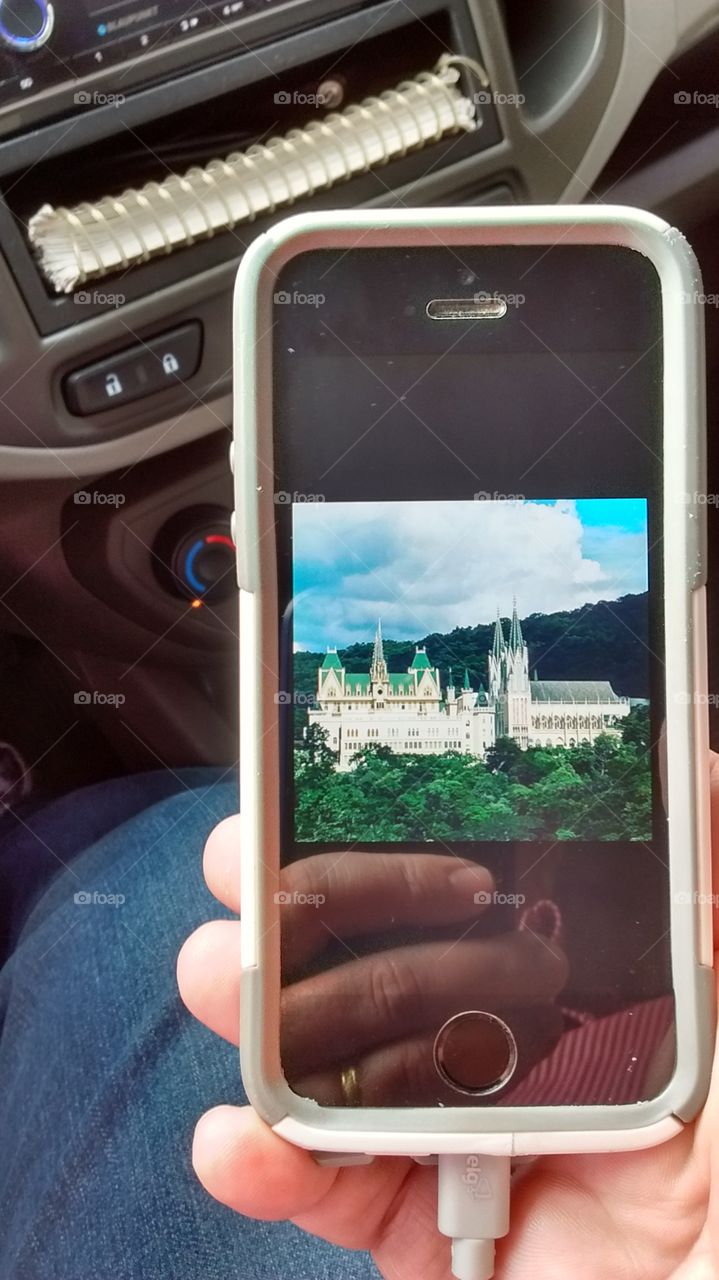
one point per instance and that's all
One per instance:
(103, 1072)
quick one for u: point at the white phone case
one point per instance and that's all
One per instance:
(498, 1130)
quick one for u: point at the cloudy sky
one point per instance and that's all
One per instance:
(432, 566)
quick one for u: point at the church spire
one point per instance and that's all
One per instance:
(516, 639)
(378, 669)
(498, 645)
(467, 685)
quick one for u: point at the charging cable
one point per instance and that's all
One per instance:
(473, 1210)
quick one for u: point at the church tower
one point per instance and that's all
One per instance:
(378, 669)
(496, 661)
(451, 695)
(516, 685)
(378, 673)
(509, 689)
(468, 697)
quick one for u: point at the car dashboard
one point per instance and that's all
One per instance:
(118, 629)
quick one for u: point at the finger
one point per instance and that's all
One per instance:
(208, 976)
(221, 862)
(404, 1073)
(285, 1179)
(348, 895)
(358, 892)
(338, 1015)
(246, 1166)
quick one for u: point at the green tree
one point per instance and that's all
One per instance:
(313, 754)
(598, 791)
(636, 727)
(504, 756)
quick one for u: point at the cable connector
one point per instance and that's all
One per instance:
(473, 1210)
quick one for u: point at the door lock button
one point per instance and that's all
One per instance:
(154, 365)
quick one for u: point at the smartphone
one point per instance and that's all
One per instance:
(469, 459)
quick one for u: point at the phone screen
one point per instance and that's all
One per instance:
(475, 900)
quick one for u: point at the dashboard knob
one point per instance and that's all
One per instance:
(194, 555)
(25, 25)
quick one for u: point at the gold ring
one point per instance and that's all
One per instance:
(350, 1087)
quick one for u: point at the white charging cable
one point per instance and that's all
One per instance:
(473, 1210)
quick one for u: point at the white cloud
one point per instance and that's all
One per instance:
(432, 566)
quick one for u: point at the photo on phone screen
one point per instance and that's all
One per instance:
(461, 671)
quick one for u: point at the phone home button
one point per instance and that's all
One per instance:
(475, 1053)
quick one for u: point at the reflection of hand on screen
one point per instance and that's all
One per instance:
(382, 1009)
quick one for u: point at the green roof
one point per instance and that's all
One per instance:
(401, 683)
(420, 661)
(353, 682)
(397, 684)
(331, 659)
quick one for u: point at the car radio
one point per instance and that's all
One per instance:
(57, 56)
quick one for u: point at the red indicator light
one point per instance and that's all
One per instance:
(222, 538)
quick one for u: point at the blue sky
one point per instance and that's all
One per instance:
(432, 566)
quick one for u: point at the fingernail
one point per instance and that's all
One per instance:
(473, 880)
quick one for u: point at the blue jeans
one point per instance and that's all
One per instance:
(102, 1072)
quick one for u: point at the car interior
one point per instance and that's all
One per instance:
(118, 628)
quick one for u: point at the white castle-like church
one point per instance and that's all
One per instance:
(410, 713)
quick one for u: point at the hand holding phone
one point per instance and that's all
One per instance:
(469, 464)
(584, 1214)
